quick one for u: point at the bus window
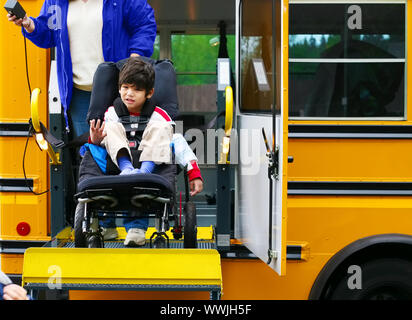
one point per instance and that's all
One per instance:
(156, 49)
(256, 56)
(194, 58)
(347, 60)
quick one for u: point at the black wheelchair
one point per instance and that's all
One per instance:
(102, 196)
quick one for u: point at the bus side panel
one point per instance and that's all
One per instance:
(350, 160)
(11, 263)
(17, 204)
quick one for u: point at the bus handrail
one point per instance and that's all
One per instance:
(35, 121)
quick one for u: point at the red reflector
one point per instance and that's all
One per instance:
(23, 228)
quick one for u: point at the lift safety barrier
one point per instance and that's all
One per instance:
(69, 268)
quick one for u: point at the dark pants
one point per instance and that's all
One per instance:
(78, 109)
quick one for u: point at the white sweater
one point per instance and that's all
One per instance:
(85, 24)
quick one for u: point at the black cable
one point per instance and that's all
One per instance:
(24, 169)
(27, 66)
(31, 130)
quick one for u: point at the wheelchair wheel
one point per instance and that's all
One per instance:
(79, 236)
(95, 241)
(190, 227)
(159, 242)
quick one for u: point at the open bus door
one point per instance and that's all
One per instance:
(261, 99)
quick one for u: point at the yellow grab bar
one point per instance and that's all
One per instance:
(228, 125)
(43, 144)
(229, 110)
(34, 108)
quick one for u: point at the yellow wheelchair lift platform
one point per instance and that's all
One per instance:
(119, 268)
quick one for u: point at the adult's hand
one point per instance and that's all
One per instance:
(26, 22)
(14, 292)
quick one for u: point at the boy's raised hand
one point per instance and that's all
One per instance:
(97, 132)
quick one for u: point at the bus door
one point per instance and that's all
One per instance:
(261, 99)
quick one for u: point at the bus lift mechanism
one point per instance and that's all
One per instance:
(273, 172)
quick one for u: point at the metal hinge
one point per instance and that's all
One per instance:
(272, 255)
(274, 163)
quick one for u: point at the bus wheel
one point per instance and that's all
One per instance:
(381, 279)
(79, 236)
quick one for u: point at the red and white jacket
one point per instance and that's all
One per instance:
(183, 153)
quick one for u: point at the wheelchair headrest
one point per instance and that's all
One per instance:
(105, 88)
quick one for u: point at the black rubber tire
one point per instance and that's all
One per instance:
(381, 279)
(80, 240)
(95, 241)
(159, 242)
(190, 227)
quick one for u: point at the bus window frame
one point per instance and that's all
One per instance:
(165, 32)
(405, 62)
(276, 83)
(195, 30)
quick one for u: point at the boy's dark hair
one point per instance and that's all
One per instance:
(138, 73)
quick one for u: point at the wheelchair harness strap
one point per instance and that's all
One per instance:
(133, 125)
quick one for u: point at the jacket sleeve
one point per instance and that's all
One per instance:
(141, 25)
(110, 115)
(46, 25)
(156, 139)
(185, 157)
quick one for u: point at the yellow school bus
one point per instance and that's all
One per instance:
(326, 216)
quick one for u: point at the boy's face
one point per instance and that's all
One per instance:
(134, 98)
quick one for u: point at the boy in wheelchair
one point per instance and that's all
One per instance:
(137, 137)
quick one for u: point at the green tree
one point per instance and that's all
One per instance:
(196, 53)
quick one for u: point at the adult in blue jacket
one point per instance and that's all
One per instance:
(86, 33)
